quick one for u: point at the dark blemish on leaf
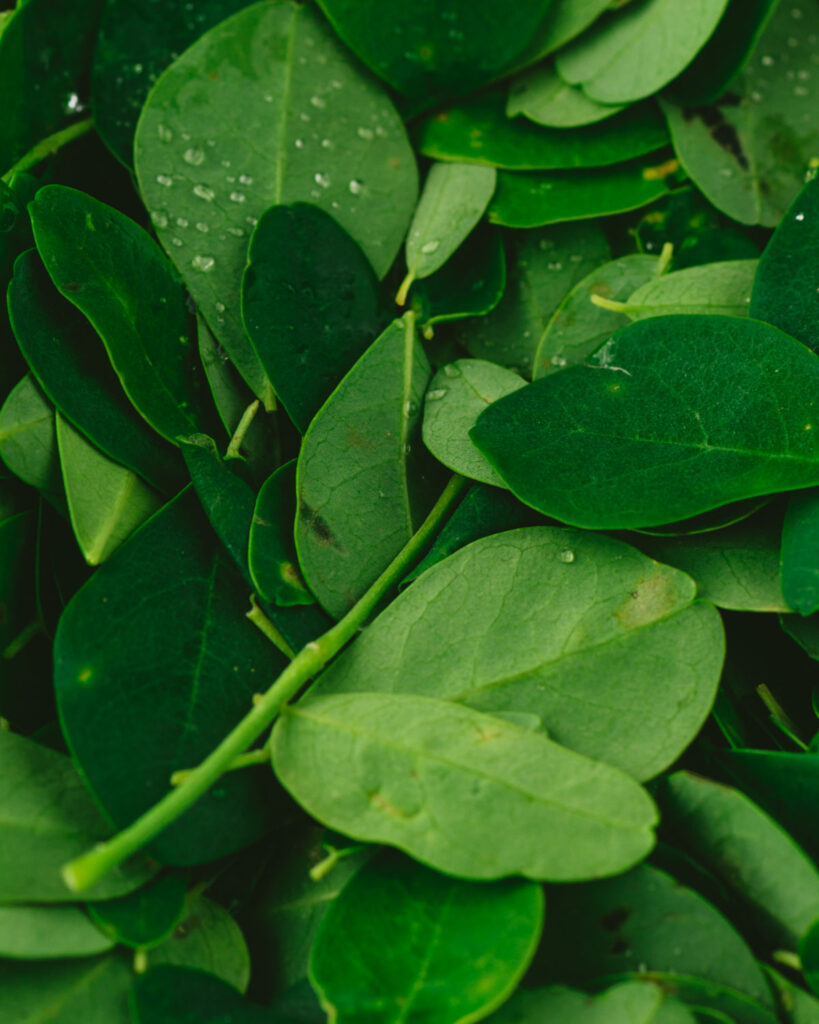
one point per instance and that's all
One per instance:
(73, 286)
(601, 288)
(317, 525)
(720, 130)
(620, 947)
(382, 804)
(181, 931)
(615, 919)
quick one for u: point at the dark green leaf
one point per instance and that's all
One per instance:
(146, 917)
(800, 553)
(93, 991)
(17, 565)
(28, 438)
(272, 550)
(309, 303)
(180, 995)
(46, 933)
(565, 20)
(405, 944)
(644, 435)
(809, 956)
(712, 1003)
(629, 1002)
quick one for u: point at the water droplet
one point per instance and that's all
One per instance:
(268, 98)
(183, 222)
(318, 102)
(326, 144)
(236, 232)
(165, 133)
(193, 156)
(558, 361)
(177, 242)
(245, 179)
(566, 556)
(436, 394)
(321, 179)
(356, 187)
(299, 143)
(204, 193)
(220, 307)
(430, 246)
(203, 263)
(366, 133)
(160, 219)
(554, 266)
(237, 197)
(768, 61)
(800, 216)
(72, 104)
(163, 179)
(138, 69)
(451, 370)
(202, 226)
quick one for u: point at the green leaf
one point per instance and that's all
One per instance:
(785, 292)
(478, 131)
(180, 995)
(457, 395)
(309, 303)
(630, 1002)
(44, 933)
(71, 365)
(363, 487)
(531, 200)
(800, 553)
(542, 96)
(652, 450)
(146, 917)
(749, 153)
(710, 1002)
(644, 920)
(565, 20)
(119, 712)
(93, 991)
(405, 944)
(635, 52)
(543, 266)
(809, 956)
(453, 200)
(106, 501)
(272, 552)
(136, 42)
(115, 274)
(740, 845)
(365, 178)
(45, 50)
(28, 438)
(578, 326)
(19, 557)
(421, 50)
(47, 818)
(572, 626)
(718, 288)
(466, 793)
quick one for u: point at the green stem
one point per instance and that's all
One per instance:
(236, 442)
(403, 291)
(247, 760)
(610, 304)
(263, 623)
(83, 872)
(49, 145)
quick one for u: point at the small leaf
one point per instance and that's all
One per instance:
(272, 551)
(626, 446)
(629, 1002)
(181, 995)
(45, 933)
(718, 288)
(459, 952)
(456, 396)
(28, 438)
(144, 918)
(106, 501)
(564, 21)
(309, 303)
(809, 956)
(635, 52)
(469, 794)
(544, 97)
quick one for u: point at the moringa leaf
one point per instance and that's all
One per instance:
(628, 1002)
(466, 793)
(800, 553)
(542, 96)
(91, 990)
(28, 439)
(272, 552)
(183, 995)
(564, 21)
(46, 933)
(718, 288)
(143, 918)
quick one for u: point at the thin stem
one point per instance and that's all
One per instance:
(610, 304)
(22, 640)
(664, 260)
(236, 442)
(83, 872)
(780, 717)
(49, 145)
(263, 623)
(246, 760)
(403, 291)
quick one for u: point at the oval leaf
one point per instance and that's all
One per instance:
(146, 917)
(719, 288)
(271, 551)
(545, 98)
(44, 933)
(182, 995)
(28, 437)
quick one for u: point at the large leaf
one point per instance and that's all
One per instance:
(467, 793)
(93, 991)
(362, 483)
(572, 626)
(45, 933)
(71, 365)
(146, 917)
(182, 995)
(28, 439)
(634, 52)
(321, 133)
(629, 1002)
(565, 20)
(118, 711)
(405, 944)
(309, 303)
(422, 50)
(644, 435)
(115, 274)
(710, 1002)
(720, 288)
(46, 819)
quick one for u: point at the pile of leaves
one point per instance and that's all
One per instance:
(409, 512)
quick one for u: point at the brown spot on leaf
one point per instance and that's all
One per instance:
(615, 919)
(317, 526)
(651, 599)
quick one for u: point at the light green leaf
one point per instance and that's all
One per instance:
(723, 288)
(361, 488)
(457, 395)
(635, 52)
(451, 204)
(312, 129)
(799, 553)
(544, 97)
(571, 626)
(579, 326)
(44, 933)
(469, 794)
(629, 1002)
(406, 944)
(106, 501)
(28, 439)
(565, 20)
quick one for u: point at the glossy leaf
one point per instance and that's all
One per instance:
(744, 848)
(143, 918)
(45, 933)
(456, 396)
(544, 97)
(453, 200)
(712, 1003)
(531, 200)
(650, 450)
(716, 288)
(564, 21)
(117, 711)
(579, 327)
(366, 178)
(362, 489)
(403, 943)
(466, 793)
(71, 365)
(272, 553)
(478, 131)
(423, 51)
(785, 292)
(800, 553)
(115, 274)
(543, 266)
(564, 638)
(46, 818)
(136, 42)
(629, 1002)
(92, 990)
(182, 995)
(28, 438)
(749, 153)
(635, 52)
(106, 501)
